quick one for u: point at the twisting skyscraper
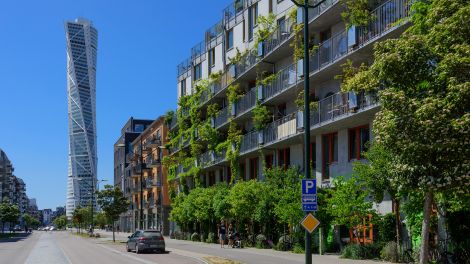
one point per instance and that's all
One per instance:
(82, 40)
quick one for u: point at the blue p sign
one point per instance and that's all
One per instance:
(309, 186)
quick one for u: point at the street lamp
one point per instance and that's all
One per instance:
(92, 197)
(305, 6)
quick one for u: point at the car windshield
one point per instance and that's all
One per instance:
(152, 234)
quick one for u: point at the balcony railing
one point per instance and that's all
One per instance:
(221, 118)
(281, 34)
(284, 79)
(233, 13)
(281, 128)
(198, 51)
(249, 141)
(214, 35)
(174, 122)
(385, 18)
(184, 68)
(247, 102)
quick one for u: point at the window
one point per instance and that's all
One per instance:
(329, 153)
(281, 110)
(358, 137)
(284, 158)
(183, 87)
(139, 128)
(252, 20)
(229, 40)
(281, 23)
(254, 168)
(268, 160)
(211, 58)
(197, 72)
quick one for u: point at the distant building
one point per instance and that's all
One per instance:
(82, 45)
(131, 130)
(47, 216)
(33, 208)
(12, 188)
(59, 211)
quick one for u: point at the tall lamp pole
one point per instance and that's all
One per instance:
(305, 6)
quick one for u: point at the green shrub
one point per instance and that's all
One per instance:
(352, 251)
(261, 241)
(356, 251)
(284, 243)
(389, 252)
(210, 238)
(195, 237)
(299, 249)
(203, 237)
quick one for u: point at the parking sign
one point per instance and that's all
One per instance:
(309, 195)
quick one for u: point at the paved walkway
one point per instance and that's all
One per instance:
(245, 255)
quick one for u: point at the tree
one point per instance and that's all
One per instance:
(425, 120)
(113, 203)
(28, 220)
(347, 203)
(60, 222)
(102, 220)
(9, 213)
(78, 217)
(381, 175)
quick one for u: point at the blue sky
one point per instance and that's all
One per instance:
(139, 45)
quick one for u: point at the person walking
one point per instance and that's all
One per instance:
(221, 233)
(230, 235)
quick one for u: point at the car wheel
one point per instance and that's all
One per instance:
(127, 248)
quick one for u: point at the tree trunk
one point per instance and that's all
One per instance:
(442, 231)
(114, 238)
(424, 250)
(397, 225)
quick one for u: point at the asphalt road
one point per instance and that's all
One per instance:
(65, 248)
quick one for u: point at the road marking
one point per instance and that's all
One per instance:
(188, 254)
(126, 255)
(46, 250)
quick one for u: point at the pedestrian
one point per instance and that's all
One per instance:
(221, 233)
(230, 235)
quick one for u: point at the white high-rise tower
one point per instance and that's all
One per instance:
(82, 41)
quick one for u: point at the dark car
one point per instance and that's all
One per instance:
(146, 240)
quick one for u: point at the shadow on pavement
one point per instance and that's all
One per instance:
(15, 237)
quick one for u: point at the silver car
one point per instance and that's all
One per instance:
(146, 240)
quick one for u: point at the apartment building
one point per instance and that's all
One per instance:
(12, 188)
(340, 123)
(148, 185)
(130, 131)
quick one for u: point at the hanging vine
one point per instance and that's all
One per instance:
(357, 13)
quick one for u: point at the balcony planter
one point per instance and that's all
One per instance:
(260, 92)
(260, 137)
(261, 49)
(300, 68)
(232, 70)
(213, 122)
(233, 109)
(300, 120)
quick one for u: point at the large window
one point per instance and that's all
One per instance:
(252, 20)
(229, 40)
(197, 72)
(254, 168)
(183, 87)
(358, 138)
(211, 58)
(284, 158)
(329, 153)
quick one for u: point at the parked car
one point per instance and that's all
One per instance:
(146, 240)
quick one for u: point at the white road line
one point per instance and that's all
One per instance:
(187, 254)
(128, 256)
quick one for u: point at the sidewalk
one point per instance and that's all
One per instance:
(245, 255)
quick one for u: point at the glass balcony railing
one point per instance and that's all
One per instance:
(285, 78)
(246, 103)
(198, 50)
(249, 142)
(221, 118)
(184, 68)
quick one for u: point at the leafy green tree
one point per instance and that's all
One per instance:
(381, 174)
(101, 220)
(60, 222)
(113, 203)
(424, 120)
(9, 213)
(28, 220)
(78, 217)
(221, 205)
(347, 203)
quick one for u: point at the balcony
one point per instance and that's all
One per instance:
(246, 103)
(153, 142)
(153, 163)
(233, 13)
(183, 70)
(221, 118)
(198, 52)
(281, 129)
(210, 158)
(214, 35)
(249, 142)
(138, 169)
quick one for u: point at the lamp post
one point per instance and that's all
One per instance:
(305, 6)
(92, 207)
